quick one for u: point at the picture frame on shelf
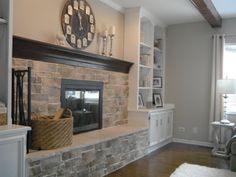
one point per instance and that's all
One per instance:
(157, 82)
(140, 101)
(157, 100)
(158, 43)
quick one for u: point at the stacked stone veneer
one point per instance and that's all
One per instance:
(94, 160)
(46, 85)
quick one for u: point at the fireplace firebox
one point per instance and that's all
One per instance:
(84, 99)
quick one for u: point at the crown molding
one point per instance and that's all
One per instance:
(154, 20)
(113, 5)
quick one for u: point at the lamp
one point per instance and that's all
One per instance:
(224, 87)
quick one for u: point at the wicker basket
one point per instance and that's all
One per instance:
(48, 133)
(3, 119)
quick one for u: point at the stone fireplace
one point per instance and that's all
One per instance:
(46, 88)
(51, 64)
(84, 99)
(95, 153)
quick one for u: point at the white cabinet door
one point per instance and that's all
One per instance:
(164, 117)
(160, 126)
(169, 127)
(12, 150)
(153, 129)
(12, 157)
(155, 132)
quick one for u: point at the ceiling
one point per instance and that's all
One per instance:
(226, 8)
(169, 12)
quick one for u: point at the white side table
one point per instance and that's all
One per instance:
(222, 133)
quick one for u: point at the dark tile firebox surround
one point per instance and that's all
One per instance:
(94, 153)
(84, 99)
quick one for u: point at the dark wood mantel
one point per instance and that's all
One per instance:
(41, 51)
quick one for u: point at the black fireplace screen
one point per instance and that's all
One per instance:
(84, 99)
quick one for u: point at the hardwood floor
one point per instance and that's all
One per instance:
(162, 162)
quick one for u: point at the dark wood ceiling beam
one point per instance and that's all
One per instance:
(208, 11)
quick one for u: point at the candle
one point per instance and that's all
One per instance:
(113, 30)
(105, 33)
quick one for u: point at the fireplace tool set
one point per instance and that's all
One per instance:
(18, 109)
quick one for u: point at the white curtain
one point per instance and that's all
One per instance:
(217, 73)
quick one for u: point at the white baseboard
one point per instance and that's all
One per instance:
(193, 142)
(159, 145)
(177, 140)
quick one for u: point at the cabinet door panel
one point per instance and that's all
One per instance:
(159, 129)
(163, 117)
(11, 162)
(155, 128)
(153, 123)
(167, 125)
(170, 125)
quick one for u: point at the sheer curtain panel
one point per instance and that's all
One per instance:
(217, 73)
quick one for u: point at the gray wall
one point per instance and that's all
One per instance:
(188, 76)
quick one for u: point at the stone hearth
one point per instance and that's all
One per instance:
(92, 154)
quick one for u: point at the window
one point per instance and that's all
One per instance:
(229, 71)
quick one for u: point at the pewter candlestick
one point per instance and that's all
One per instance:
(104, 49)
(104, 39)
(111, 38)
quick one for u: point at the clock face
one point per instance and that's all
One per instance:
(78, 23)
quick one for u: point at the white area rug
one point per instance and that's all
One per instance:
(189, 170)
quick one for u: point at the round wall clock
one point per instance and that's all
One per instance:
(78, 23)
